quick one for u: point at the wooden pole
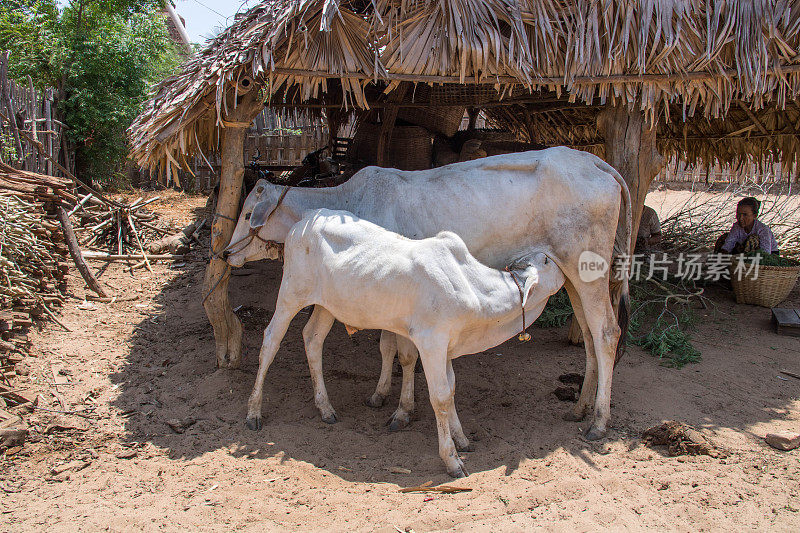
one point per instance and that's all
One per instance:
(48, 120)
(387, 125)
(778, 70)
(75, 253)
(630, 145)
(227, 328)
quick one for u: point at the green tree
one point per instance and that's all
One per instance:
(102, 56)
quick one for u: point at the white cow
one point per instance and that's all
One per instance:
(564, 202)
(430, 291)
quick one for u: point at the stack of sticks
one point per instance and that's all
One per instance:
(114, 231)
(14, 341)
(34, 258)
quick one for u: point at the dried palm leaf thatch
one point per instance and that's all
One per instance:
(674, 59)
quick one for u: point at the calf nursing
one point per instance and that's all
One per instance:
(430, 291)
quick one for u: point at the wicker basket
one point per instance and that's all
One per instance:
(364, 148)
(444, 120)
(411, 148)
(772, 286)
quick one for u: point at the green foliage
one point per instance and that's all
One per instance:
(8, 152)
(667, 340)
(107, 82)
(557, 311)
(771, 259)
(28, 29)
(102, 56)
(662, 320)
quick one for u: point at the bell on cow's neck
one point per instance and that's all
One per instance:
(524, 336)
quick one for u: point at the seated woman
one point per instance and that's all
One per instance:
(748, 234)
(649, 235)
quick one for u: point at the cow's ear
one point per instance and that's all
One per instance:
(258, 217)
(531, 282)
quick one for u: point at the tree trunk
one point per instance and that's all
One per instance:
(631, 148)
(227, 327)
(387, 126)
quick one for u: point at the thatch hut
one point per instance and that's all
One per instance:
(705, 81)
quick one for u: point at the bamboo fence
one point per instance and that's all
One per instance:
(32, 111)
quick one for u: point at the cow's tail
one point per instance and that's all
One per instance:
(618, 282)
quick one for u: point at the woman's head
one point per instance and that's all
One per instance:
(747, 212)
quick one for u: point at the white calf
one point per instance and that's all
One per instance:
(431, 291)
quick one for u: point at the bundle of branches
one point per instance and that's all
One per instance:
(705, 216)
(115, 227)
(557, 312)
(31, 252)
(33, 269)
(663, 317)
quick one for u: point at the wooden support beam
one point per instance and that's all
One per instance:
(387, 125)
(753, 117)
(631, 148)
(564, 104)
(630, 145)
(492, 80)
(227, 328)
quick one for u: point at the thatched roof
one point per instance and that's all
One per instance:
(695, 60)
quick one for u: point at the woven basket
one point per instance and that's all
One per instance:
(364, 148)
(411, 148)
(444, 120)
(772, 286)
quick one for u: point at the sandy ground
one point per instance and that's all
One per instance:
(135, 365)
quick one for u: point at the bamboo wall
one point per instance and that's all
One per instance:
(32, 112)
(284, 139)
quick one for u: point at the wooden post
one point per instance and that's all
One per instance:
(631, 148)
(227, 328)
(75, 253)
(387, 126)
(473, 113)
(48, 124)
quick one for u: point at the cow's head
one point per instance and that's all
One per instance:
(542, 277)
(263, 223)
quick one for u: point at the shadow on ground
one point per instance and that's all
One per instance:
(504, 396)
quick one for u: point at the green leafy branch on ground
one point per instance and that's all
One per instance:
(557, 311)
(662, 319)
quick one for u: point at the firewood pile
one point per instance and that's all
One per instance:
(38, 245)
(116, 231)
(34, 259)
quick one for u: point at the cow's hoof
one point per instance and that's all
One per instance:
(458, 471)
(330, 419)
(254, 423)
(464, 446)
(375, 401)
(573, 416)
(398, 421)
(594, 433)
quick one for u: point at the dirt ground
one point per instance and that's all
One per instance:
(130, 367)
